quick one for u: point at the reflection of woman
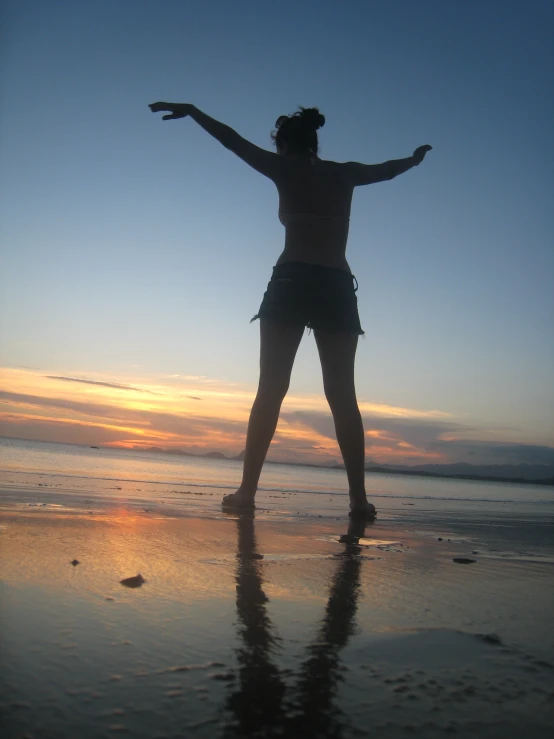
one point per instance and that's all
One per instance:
(311, 284)
(258, 705)
(316, 711)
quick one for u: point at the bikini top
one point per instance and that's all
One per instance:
(287, 218)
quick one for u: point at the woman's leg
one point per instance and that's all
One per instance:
(278, 346)
(337, 352)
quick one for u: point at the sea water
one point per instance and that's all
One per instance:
(154, 477)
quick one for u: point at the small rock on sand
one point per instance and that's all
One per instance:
(133, 582)
(75, 562)
(464, 560)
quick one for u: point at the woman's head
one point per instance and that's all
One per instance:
(296, 133)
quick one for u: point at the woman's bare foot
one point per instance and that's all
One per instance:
(238, 500)
(362, 509)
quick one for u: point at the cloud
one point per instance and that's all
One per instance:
(414, 431)
(115, 385)
(173, 428)
(419, 433)
(101, 410)
(36, 407)
(62, 431)
(412, 441)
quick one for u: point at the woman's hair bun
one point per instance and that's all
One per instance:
(298, 130)
(309, 117)
(312, 118)
(281, 120)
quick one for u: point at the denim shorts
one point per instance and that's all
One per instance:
(314, 296)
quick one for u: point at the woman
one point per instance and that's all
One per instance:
(311, 284)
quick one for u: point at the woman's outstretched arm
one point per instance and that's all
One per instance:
(367, 174)
(261, 160)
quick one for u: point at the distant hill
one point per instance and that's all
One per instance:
(530, 473)
(158, 450)
(210, 455)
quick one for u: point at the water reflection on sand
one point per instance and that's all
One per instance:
(270, 626)
(266, 702)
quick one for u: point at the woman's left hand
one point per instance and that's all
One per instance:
(420, 152)
(177, 110)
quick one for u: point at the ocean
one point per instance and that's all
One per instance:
(139, 477)
(293, 621)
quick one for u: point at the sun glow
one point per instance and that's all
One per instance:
(195, 414)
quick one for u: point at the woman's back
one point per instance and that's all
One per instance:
(315, 195)
(315, 198)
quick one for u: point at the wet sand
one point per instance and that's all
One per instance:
(277, 624)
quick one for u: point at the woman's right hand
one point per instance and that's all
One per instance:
(177, 110)
(421, 151)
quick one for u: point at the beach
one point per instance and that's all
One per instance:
(296, 250)
(433, 620)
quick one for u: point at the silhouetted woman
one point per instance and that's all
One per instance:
(311, 284)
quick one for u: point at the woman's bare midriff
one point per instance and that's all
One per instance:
(317, 241)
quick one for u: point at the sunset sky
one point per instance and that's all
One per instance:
(134, 251)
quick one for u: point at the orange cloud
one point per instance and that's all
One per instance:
(202, 414)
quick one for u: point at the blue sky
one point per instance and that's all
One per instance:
(136, 248)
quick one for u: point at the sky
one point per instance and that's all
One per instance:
(134, 252)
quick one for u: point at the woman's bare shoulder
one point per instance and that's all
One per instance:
(341, 171)
(335, 166)
(329, 162)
